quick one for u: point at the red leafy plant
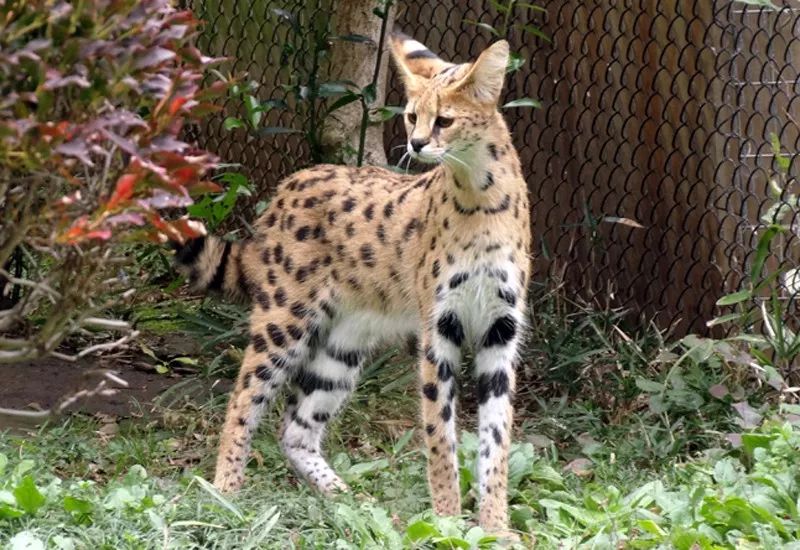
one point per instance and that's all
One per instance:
(93, 98)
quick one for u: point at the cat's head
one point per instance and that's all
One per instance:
(452, 108)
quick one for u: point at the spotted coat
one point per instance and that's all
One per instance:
(346, 258)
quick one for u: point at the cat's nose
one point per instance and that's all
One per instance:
(418, 144)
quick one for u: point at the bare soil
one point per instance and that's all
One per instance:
(42, 384)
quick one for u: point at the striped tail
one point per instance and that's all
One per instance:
(213, 265)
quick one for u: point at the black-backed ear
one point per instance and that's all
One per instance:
(484, 79)
(414, 61)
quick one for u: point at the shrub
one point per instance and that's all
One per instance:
(93, 98)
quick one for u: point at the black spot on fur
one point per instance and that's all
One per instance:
(436, 268)
(276, 335)
(502, 207)
(411, 227)
(280, 297)
(258, 399)
(488, 182)
(263, 372)
(445, 370)
(430, 428)
(295, 331)
(458, 279)
(381, 233)
(431, 391)
(351, 358)
(501, 332)
(493, 151)
(495, 384)
(303, 233)
(507, 296)
(189, 252)
(447, 413)
(219, 274)
(388, 209)
(369, 211)
(278, 253)
(450, 327)
(368, 255)
(298, 309)
(259, 343)
(263, 299)
(463, 210)
(349, 204)
(321, 417)
(310, 382)
(496, 434)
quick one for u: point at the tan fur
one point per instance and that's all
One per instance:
(338, 242)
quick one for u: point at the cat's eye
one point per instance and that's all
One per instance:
(443, 121)
(412, 118)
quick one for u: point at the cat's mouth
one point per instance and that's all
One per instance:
(429, 155)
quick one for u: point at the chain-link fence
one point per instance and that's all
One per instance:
(650, 161)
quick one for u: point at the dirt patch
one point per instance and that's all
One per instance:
(40, 385)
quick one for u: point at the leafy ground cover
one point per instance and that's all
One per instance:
(622, 442)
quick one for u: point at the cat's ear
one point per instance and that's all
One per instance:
(415, 63)
(484, 79)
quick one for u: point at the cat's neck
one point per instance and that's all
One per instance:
(487, 171)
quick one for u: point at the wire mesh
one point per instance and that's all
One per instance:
(648, 164)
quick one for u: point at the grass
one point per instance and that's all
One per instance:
(622, 441)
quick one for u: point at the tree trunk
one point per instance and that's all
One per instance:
(356, 61)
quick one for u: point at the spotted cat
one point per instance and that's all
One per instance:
(346, 258)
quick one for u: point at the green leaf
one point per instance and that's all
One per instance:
(230, 123)
(369, 93)
(387, 112)
(358, 470)
(402, 442)
(500, 7)
(753, 441)
(329, 89)
(28, 496)
(515, 62)
(346, 99)
(722, 319)
(216, 495)
(535, 31)
(421, 530)
(530, 6)
(649, 386)
(762, 251)
(484, 26)
(523, 102)
(734, 298)
(254, 112)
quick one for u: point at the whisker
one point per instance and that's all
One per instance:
(397, 147)
(400, 162)
(455, 158)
